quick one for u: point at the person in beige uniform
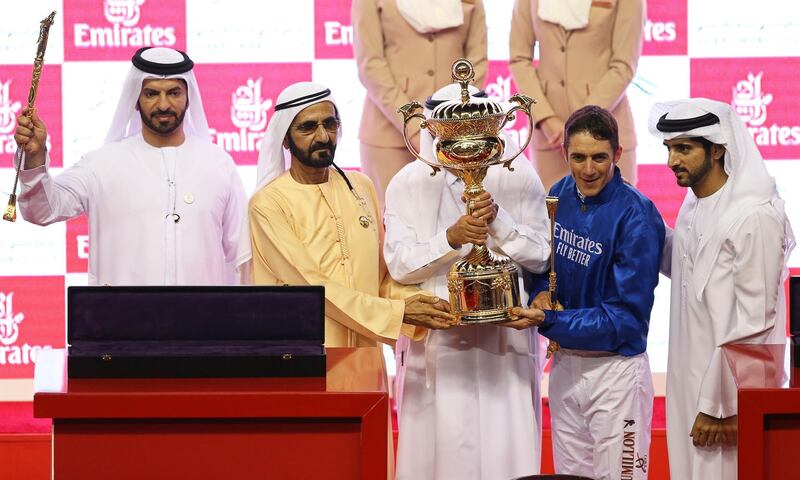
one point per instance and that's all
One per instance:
(405, 50)
(588, 52)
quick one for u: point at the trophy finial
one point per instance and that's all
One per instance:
(463, 72)
(552, 206)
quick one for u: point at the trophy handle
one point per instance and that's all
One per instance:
(409, 111)
(524, 104)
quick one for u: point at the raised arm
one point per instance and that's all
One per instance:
(45, 200)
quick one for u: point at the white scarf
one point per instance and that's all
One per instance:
(749, 185)
(426, 16)
(127, 121)
(570, 14)
(273, 159)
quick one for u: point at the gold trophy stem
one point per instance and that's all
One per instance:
(552, 207)
(473, 188)
(44, 32)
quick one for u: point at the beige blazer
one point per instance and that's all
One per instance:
(590, 66)
(397, 64)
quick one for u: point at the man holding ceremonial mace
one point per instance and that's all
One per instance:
(10, 214)
(165, 205)
(607, 240)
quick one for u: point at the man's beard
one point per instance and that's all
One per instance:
(162, 128)
(324, 159)
(692, 178)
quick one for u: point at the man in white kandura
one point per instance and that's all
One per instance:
(727, 260)
(470, 406)
(165, 205)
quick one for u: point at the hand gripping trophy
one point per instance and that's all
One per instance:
(483, 285)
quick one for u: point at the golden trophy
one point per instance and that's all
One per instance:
(483, 285)
(10, 214)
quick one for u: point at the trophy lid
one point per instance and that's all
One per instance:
(467, 107)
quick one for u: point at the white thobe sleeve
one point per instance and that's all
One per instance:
(666, 254)
(44, 200)
(409, 258)
(525, 237)
(232, 220)
(758, 245)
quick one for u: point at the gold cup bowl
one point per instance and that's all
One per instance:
(484, 284)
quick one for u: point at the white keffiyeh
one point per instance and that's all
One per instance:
(127, 122)
(749, 184)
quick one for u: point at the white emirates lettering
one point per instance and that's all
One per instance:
(83, 246)
(242, 141)
(7, 144)
(21, 355)
(775, 135)
(118, 36)
(660, 31)
(10, 352)
(338, 34)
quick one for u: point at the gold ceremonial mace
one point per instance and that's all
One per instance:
(44, 31)
(552, 207)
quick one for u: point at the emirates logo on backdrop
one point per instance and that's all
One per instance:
(762, 91)
(9, 321)
(10, 352)
(11, 104)
(248, 109)
(249, 113)
(238, 99)
(77, 244)
(665, 28)
(113, 29)
(333, 30)
(8, 109)
(126, 12)
(750, 103)
(31, 320)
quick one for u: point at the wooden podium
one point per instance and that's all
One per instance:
(769, 411)
(224, 428)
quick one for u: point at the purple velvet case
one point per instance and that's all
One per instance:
(203, 331)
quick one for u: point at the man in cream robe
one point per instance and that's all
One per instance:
(315, 225)
(165, 207)
(727, 259)
(470, 406)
